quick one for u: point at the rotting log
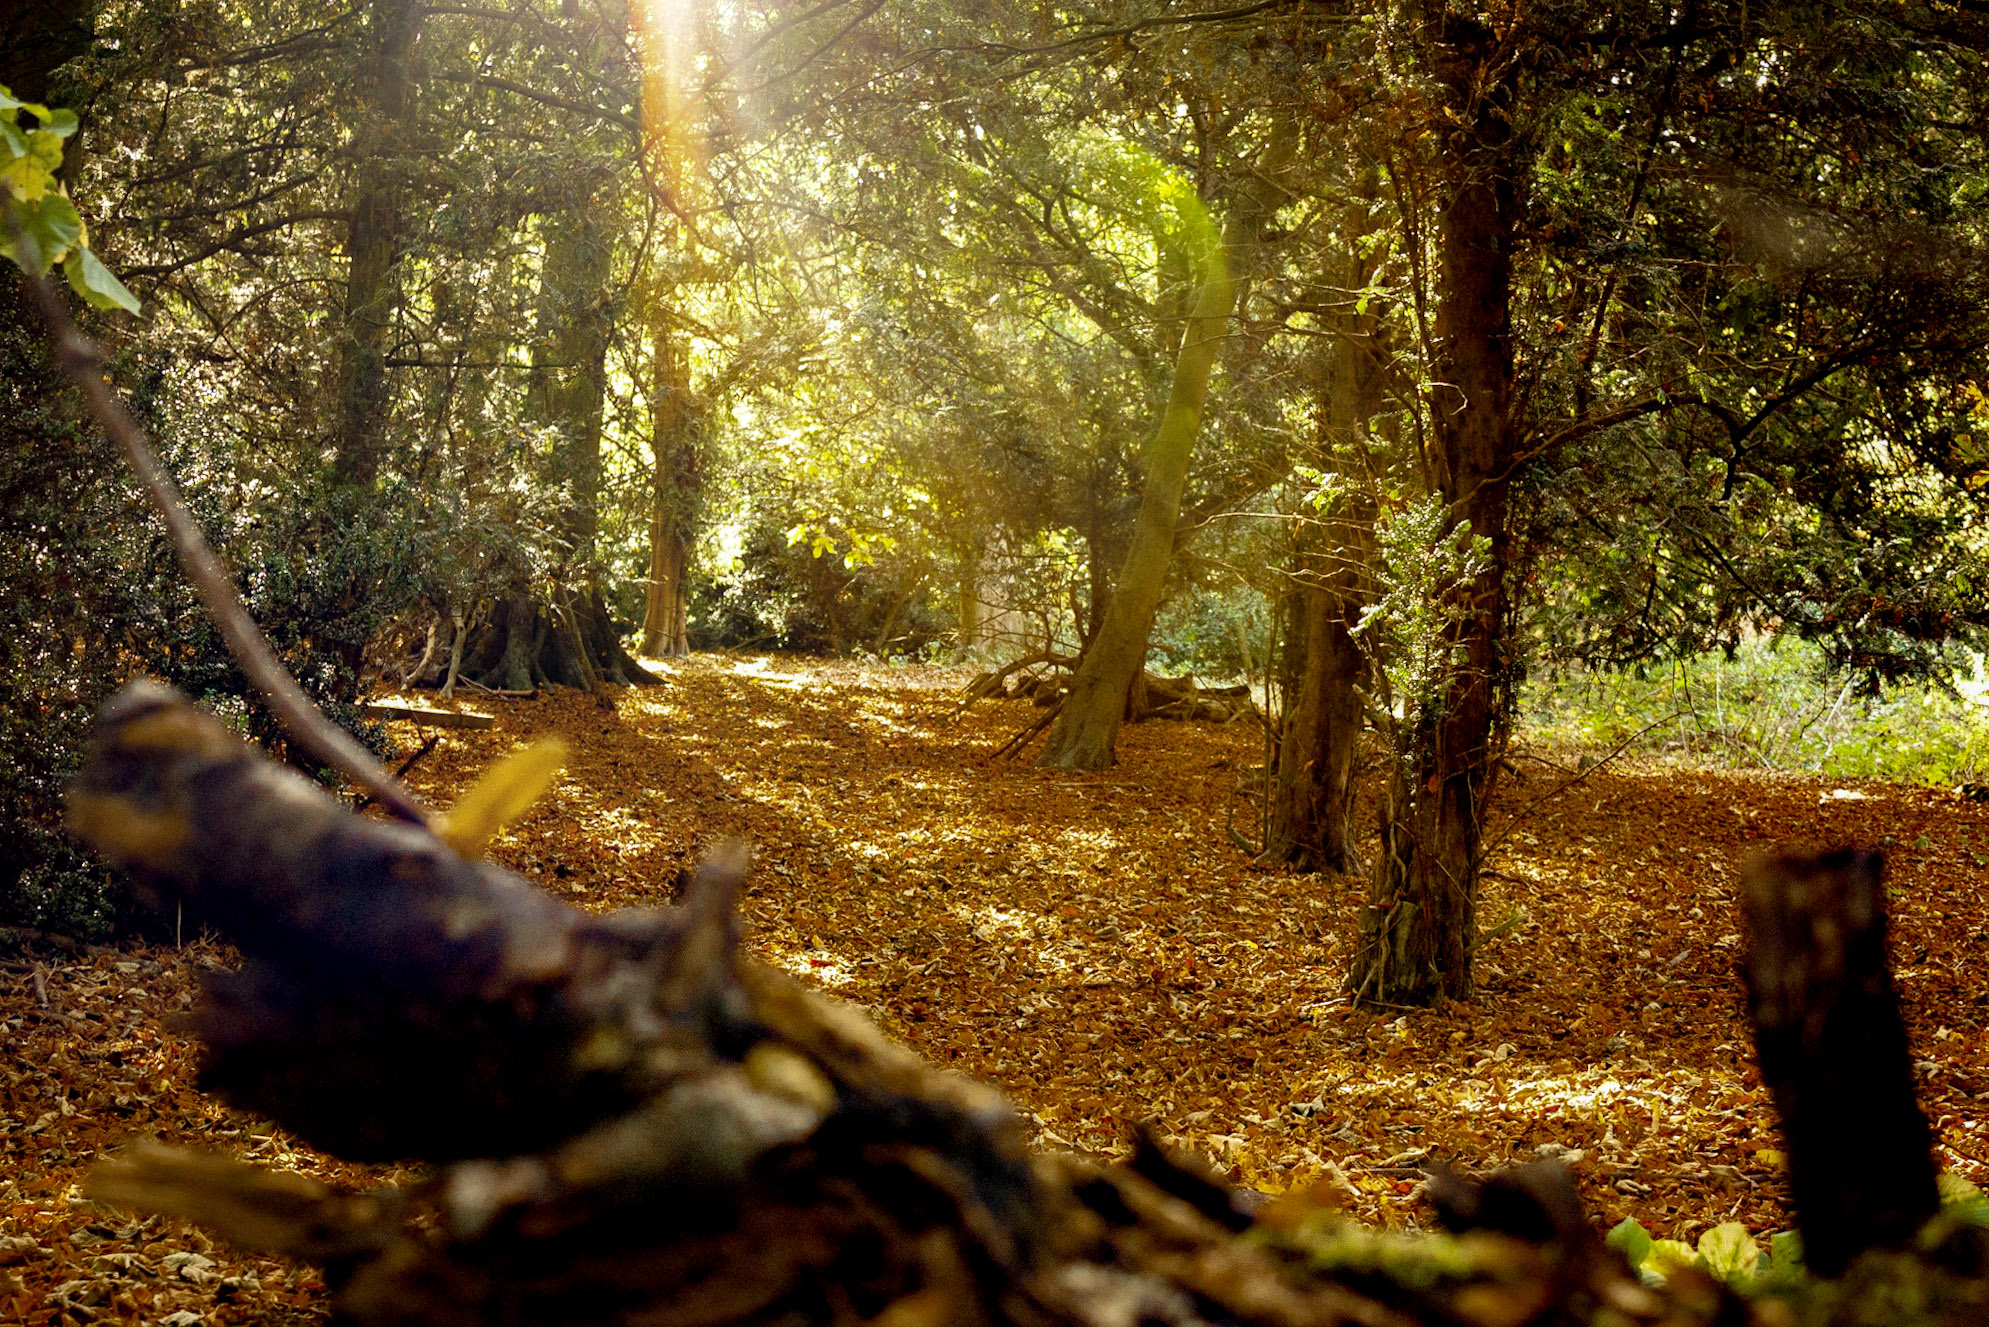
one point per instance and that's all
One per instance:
(633, 1123)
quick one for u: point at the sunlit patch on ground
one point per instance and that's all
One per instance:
(1099, 948)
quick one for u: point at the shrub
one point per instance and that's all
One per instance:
(1772, 705)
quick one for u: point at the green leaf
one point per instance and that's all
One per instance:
(61, 123)
(17, 142)
(1668, 1255)
(1629, 1238)
(1785, 1251)
(1963, 1200)
(89, 278)
(8, 102)
(28, 176)
(51, 227)
(1730, 1253)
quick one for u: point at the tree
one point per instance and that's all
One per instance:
(1313, 783)
(1606, 335)
(374, 236)
(1087, 726)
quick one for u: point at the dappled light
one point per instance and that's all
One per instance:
(1376, 618)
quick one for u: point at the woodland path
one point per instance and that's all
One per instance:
(1098, 948)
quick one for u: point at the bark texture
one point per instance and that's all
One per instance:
(1419, 930)
(373, 241)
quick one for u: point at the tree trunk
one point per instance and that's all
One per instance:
(971, 611)
(675, 433)
(514, 668)
(373, 242)
(574, 323)
(1834, 1053)
(1418, 932)
(1087, 728)
(1312, 794)
(665, 610)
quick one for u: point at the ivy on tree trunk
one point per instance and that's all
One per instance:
(1418, 931)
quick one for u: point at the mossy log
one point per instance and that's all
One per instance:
(630, 1122)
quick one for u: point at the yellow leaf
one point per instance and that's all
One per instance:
(501, 796)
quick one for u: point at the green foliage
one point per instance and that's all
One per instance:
(782, 593)
(1772, 705)
(1730, 1254)
(91, 595)
(1212, 633)
(1425, 562)
(52, 233)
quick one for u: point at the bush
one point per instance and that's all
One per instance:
(1772, 705)
(90, 596)
(1218, 635)
(783, 596)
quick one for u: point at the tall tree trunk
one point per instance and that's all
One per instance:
(1087, 727)
(972, 612)
(574, 322)
(1418, 932)
(676, 424)
(570, 364)
(1313, 786)
(373, 242)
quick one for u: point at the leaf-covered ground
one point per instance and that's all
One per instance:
(1098, 947)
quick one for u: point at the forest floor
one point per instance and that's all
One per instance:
(1099, 948)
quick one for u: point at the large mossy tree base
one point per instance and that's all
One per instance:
(521, 643)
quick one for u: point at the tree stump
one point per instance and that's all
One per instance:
(1833, 1051)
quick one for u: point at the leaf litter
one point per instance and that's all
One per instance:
(1095, 945)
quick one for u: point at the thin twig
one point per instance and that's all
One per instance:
(1014, 745)
(305, 723)
(400, 770)
(1519, 816)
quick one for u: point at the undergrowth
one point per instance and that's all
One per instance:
(1773, 705)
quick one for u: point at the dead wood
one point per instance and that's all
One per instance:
(427, 718)
(1834, 1053)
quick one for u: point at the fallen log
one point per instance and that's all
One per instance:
(427, 718)
(633, 1123)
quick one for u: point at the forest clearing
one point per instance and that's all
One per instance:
(958, 663)
(1100, 951)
